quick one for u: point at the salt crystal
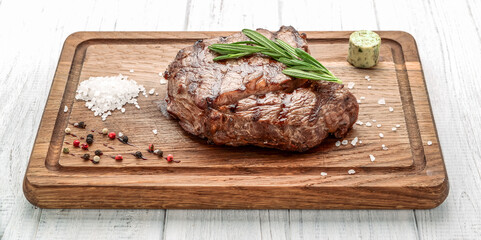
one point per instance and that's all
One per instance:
(391, 109)
(384, 147)
(362, 98)
(381, 101)
(338, 143)
(358, 101)
(323, 174)
(366, 77)
(65, 109)
(430, 143)
(351, 171)
(104, 94)
(369, 87)
(163, 81)
(161, 74)
(354, 141)
(122, 110)
(381, 135)
(131, 70)
(374, 120)
(360, 141)
(121, 134)
(393, 129)
(368, 124)
(372, 157)
(344, 142)
(152, 91)
(398, 126)
(156, 94)
(155, 131)
(350, 85)
(359, 122)
(378, 125)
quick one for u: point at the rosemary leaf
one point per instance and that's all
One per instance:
(245, 42)
(288, 48)
(263, 41)
(231, 56)
(309, 75)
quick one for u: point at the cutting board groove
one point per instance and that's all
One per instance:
(410, 174)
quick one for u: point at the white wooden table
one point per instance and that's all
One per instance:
(448, 35)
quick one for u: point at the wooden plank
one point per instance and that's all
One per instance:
(100, 224)
(448, 39)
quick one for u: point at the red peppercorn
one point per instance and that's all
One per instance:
(112, 135)
(119, 157)
(169, 158)
(85, 147)
(76, 143)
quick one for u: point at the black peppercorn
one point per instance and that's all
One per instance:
(89, 140)
(124, 139)
(138, 154)
(81, 125)
(98, 153)
(86, 156)
(90, 136)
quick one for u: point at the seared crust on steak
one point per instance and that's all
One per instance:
(249, 101)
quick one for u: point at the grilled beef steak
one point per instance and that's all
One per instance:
(249, 101)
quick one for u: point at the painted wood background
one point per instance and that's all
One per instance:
(448, 34)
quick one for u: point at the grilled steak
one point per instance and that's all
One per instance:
(249, 101)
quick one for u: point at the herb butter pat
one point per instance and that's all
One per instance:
(364, 48)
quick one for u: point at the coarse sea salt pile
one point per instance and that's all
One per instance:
(103, 95)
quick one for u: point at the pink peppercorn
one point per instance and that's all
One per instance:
(169, 158)
(76, 143)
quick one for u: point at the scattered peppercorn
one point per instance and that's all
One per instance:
(82, 125)
(98, 153)
(119, 158)
(85, 147)
(112, 135)
(151, 148)
(96, 159)
(124, 139)
(90, 136)
(89, 140)
(67, 130)
(105, 131)
(158, 152)
(138, 154)
(169, 158)
(66, 150)
(76, 143)
(86, 156)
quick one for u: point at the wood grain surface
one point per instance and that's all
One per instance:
(410, 174)
(448, 36)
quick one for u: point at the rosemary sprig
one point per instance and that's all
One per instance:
(299, 63)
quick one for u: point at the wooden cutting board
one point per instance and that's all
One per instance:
(409, 174)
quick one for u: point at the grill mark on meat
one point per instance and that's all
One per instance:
(250, 101)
